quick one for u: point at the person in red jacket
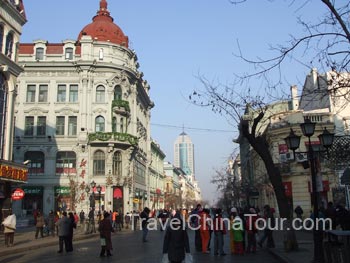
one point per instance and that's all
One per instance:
(204, 229)
(219, 232)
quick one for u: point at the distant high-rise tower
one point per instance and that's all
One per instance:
(184, 154)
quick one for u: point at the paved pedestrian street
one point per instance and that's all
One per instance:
(128, 248)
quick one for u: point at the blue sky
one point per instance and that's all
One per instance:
(175, 42)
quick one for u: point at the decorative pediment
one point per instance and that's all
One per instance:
(99, 110)
(36, 111)
(119, 78)
(67, 111)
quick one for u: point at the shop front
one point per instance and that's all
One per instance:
(63, 200)
(33, 199)
(12, 175)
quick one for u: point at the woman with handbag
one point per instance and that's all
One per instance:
(176, 241)
(105, 228)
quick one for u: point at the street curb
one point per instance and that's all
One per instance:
(45, 244)
(278, 256)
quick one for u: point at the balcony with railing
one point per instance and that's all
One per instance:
(113, 137)
(121, 107)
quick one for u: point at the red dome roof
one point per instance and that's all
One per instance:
(102, 28)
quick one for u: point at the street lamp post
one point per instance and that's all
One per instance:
(92, 196)
(99, 188)
(326, 140)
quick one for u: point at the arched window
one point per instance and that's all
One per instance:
(3, 107)
(117, 93)
(99, 163)
(100, 94)
(66, 163)
(1, 37)
(36, 162)
(99, 124)
(117, 164)
(9, 45)
(39, 53)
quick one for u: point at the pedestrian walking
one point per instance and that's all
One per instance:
(63, 224)
(72, 226)
(251, 230)
(105, 228)
(237, 230)
(219, 229)
(194, 221)
(270, 224)
(144, 217)
(9, 224)
(176, 246)
(299, 212)
(135, 219)
(114, 219)
(91, 225)
(51, 223)
(232, 240)
(82, 217)
(127, 220)
(204, 229)
(39, 226)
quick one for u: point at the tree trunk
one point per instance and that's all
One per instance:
(260, 145)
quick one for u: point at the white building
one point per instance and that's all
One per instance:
(83, 117)
(12, 174)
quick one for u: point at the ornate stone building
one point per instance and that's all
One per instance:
(12, 175)
(83, 121)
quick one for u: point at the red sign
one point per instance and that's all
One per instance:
(288, 188)
(18, 194)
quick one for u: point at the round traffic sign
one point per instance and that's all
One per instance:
(18, 194)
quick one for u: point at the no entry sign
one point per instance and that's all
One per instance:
(18, 194)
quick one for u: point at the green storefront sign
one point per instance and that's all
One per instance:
(62, 190)
(33, 190)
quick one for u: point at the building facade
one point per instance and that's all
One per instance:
(12, 174)
(83, 121)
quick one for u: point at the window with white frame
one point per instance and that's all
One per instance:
(43, 89)
(61, 93)
(60, 125)
(99, 124)
(39, 53)
(100, 94)
(72, 125)
(9, 44)
(41, 126)
(29, 126)
(117, 164)
(99, 163)
(37, 162)
(69, 53)
(73, 93)
(66, 163)
(31, 93)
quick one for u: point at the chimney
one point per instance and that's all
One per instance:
(294, 95)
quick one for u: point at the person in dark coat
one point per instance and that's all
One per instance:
(144, 217)
(176, 240)
(105, 228)
(51, 223)
(71, 230)
(63, 225)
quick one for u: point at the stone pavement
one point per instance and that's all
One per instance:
(25, 240)
(303, 254)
